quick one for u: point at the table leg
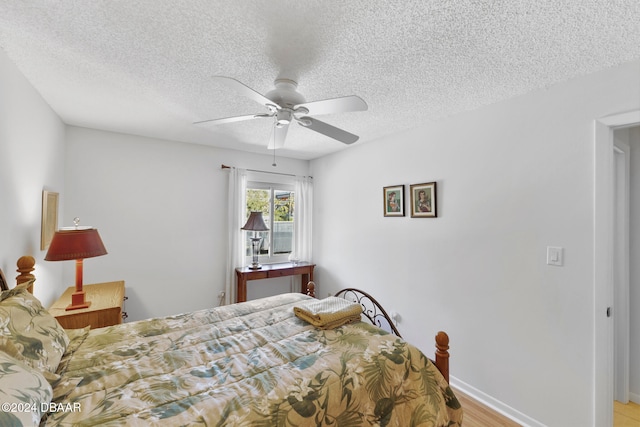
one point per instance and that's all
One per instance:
(241, 293)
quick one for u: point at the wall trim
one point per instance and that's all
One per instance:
(494, 404)
(622, 120)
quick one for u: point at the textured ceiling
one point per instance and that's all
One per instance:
(145, 67)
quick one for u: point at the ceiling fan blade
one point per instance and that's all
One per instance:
(278, 136)
(245, 90)
(328, 130)
(334, 105)
(233, 119)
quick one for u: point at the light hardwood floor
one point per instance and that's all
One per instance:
(478, 415)
(626, 415)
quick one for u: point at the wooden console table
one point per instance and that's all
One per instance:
(272, 270)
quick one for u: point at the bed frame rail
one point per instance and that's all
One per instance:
(371, 309)
(377, 315)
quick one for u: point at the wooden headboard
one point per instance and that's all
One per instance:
(26, 264)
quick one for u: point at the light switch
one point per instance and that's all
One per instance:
(555, 255)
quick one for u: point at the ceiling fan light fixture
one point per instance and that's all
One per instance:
(284, 117)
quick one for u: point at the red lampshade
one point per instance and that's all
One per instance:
(75, 243)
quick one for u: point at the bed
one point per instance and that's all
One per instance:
(255, 363)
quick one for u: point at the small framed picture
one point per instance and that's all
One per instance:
(394, 200)
(423, 200)
(49, 218)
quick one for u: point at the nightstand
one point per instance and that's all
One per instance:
(107, 300)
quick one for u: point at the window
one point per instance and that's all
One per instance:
(276, 202)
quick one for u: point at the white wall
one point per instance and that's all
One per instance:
(31, 160)
(161, 210)
(634, 273)
(513, 178)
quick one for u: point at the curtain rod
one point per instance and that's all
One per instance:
(223, 166)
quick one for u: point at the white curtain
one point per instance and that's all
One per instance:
(236, 209)
(303, 219)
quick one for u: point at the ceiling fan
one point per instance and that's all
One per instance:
(285, 104)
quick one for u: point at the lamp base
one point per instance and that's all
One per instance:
(255, 246)
(77, 301)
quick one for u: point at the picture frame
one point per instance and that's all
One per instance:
(424, 200)
(393, 200)
(49, 218)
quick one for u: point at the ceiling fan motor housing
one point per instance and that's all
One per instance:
(285, 93)
(286, 96)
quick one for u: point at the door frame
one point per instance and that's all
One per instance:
(603, 261)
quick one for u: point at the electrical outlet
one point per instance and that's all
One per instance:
(221, 296)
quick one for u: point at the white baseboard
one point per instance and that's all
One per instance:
(494, 404)
(635, 398)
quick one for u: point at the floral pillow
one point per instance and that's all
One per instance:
(24, 393)
(30, 330)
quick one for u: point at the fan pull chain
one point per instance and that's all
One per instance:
(274, 158)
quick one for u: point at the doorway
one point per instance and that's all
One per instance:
(603, 273)
(626, 275)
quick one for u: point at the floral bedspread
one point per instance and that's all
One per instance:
(250, 364)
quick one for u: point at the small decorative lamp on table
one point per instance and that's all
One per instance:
(255, 223)
(77, 243)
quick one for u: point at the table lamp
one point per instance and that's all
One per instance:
(255, 223)
(78, 242)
